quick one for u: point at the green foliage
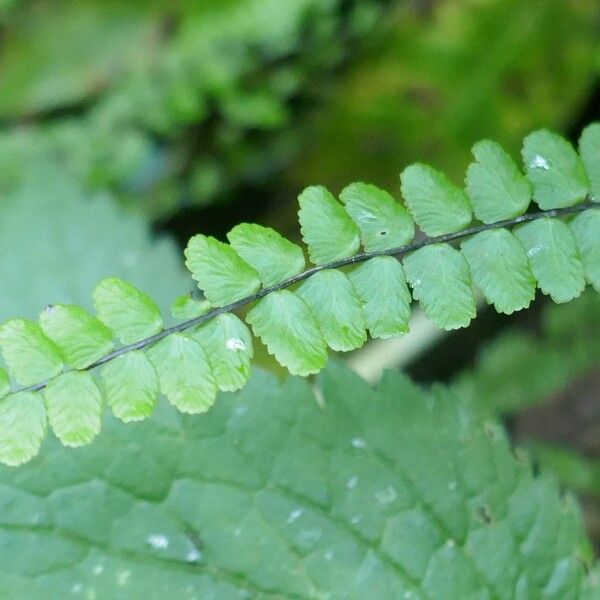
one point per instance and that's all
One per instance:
(28, 353)
(342, 494)
(441, 282)
(185, 376)
(585, 229)
(328, 308)
(437, 205)
(327, 229)
(519, 369)
(221, 274)
(589, 148)
(135, 84)
(81, 338)
(554, 169)
(272, 256)
(130, 386)
(22, 427)
(496, 187)
(501, 269)
(131, 314)
(70, 240)
(383, 222)
(337, 308)
(74, 405)
(381, 285)
(290, 332)
(553, 258)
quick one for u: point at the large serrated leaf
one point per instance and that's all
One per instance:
(130, 386)
(221, 274)
(554, 169)
(553, 258)
(337, 308)
(386, 494)
(28, 353)
(129, 313)
(327, 230)
(22, 427)
(184, 373)
(74, 405)
(500, 269)
(289, 330)
(441, 282)
(436, 204)
(383, 222)
(272, 256)
(81, 338)
(589, 149)
(228, 346)
(496, 187)
(586, 230)
(75, 241)
(380, 283)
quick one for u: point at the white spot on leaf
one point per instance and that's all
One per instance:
(294, 515)
(351, 483)
(387, 495)
(158, 541)
(193, 556)
(235, 344)
(359, 443)
(539, 162)
(122, 577)
(97, 570)
(76, 589)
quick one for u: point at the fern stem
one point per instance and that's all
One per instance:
(336, 264)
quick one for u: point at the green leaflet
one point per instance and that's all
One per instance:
(130, 386)
(553, 258)
(221, 274)
(81, 338)
(381, 494)
(272, 256)
(4, 383)
(185, 307)
(289, 331)
(589, 148)
(228, 346)
(22, 427)
(436, 204)
(337, 308)
(500, 269)
(381, 285)
(129, 313)
(496, 187)
(184, 373)
(586, 228)
(554, 169)
(441, 282)
(383, 222)
(28, 353)
(74, 405)
(327, 230)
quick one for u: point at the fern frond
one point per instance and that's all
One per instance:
(299, 312)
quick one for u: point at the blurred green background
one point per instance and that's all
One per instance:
(125, 127)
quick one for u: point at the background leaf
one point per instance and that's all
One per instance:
(178, 509)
